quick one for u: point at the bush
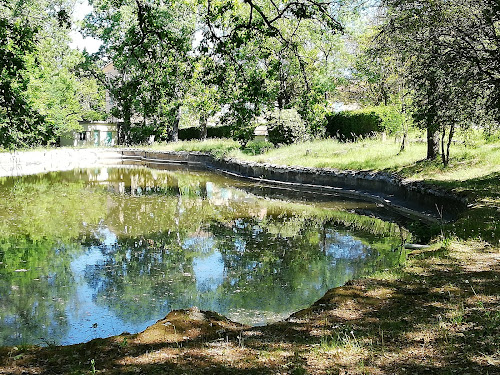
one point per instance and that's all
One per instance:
(219, 132)
(392, 118)
(257, 147)
(187, 134)
(140, 134)
(193, 132)
(350, 125)
(243, 134)
(286, 127)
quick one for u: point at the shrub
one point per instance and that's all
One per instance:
(219, 132)
(257, 147)
(286, 127)
(187, 134)
(392, 118)
(193, 132)
(243, 134)
(140, 134)
(350, 125)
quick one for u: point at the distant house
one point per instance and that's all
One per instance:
(260, 133)
(96, 133)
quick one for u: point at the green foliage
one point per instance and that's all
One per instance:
(243, 133)
(286, 127)
(257, 147)
(350, 125)
(448, 63)
(392, 119)
(20, 124)
(56, 91)
(149, 46)
(140, 134)
(49, 97)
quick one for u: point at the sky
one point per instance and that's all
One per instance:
(82, 8)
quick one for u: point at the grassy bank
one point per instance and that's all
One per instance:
(437, 314)
(471, 156)
(474, 170)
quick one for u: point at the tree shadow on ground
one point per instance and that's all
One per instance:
(439, 315)
(441, 319)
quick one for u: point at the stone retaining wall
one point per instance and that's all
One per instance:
(409, 198)
(34, 162)
(413, 199)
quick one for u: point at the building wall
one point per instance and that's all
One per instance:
(92, 134)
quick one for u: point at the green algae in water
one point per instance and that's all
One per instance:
(94, 253)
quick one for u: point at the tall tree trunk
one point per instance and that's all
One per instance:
(445, 149)
(432, 142)
(203, 126)
(174, 137)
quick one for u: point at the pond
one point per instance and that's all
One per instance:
(96, 252)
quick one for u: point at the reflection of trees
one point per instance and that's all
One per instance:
(143, 277)
(40, 217)
(36, 282)
(267, 267)
(271, 255)
(48, 206)
(279, 269)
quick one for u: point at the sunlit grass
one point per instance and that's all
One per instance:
(471, 156)
(217, 147)
(328, 153)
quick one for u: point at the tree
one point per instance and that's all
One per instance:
(203, 96)
(452, 63)
(20, 124)
(149, 44)
(271, 54)
(46, 65)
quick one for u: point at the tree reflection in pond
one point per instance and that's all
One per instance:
(92, 253)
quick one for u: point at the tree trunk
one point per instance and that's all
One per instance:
(432, 142)
(445, 149)
(403, 141)
(124, 129)
(203, 127)
(174, 137)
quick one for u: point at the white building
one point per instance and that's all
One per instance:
(96, 133)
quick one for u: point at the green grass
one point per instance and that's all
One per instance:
(217, 147)
(473, 171)
(472, 158)
(363, 155)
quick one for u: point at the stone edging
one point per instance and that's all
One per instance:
(413, 199)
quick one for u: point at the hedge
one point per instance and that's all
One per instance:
(193, 132)
(350, 125)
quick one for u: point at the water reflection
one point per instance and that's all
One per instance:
(93, 253)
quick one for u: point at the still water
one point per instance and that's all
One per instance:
(93, 253)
